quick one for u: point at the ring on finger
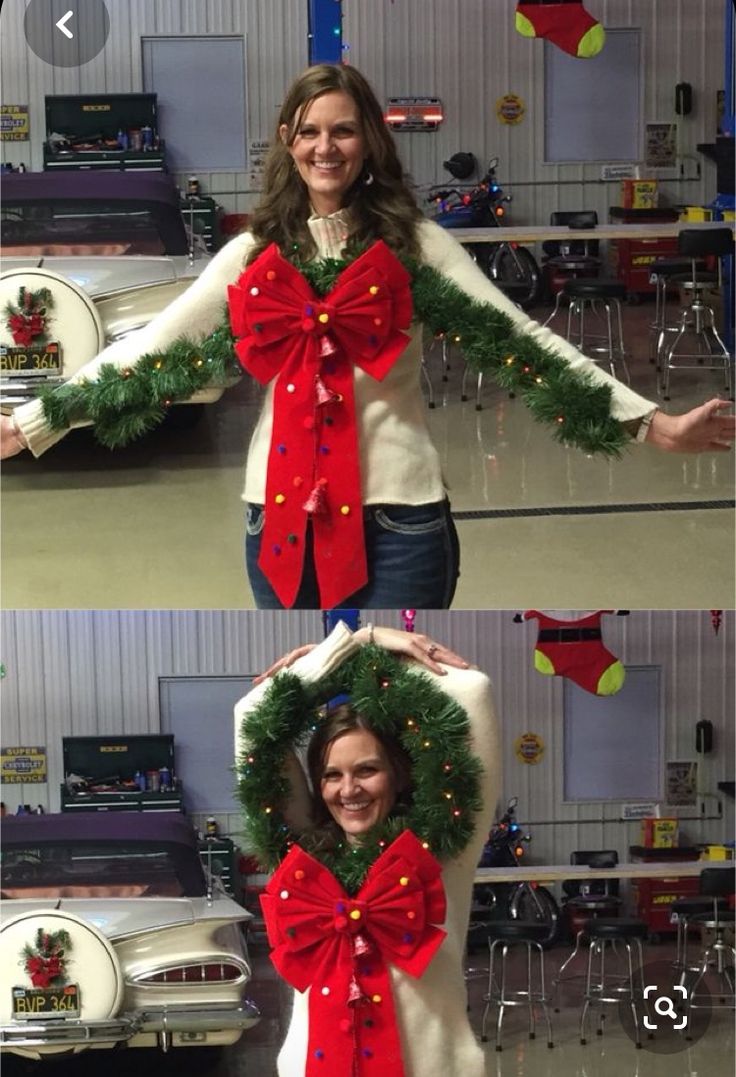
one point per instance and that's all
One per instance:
(431, 650)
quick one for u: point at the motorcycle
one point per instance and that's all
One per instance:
(513, 268)
(524, 901)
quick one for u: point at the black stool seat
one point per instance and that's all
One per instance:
(695, 904)
(593, 902)
(594, 288)
(706, 919)
(687, 278)
(623, 928)
(517, 929)
(664, 266)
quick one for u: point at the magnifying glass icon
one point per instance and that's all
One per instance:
(668, 1010)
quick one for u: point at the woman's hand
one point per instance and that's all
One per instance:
(284, 663)
(703, 429)
(421, 648)
(11, 439)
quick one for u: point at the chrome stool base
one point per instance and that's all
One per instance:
(499, 994)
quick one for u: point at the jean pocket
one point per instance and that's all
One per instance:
(410, 519)
(255, 518)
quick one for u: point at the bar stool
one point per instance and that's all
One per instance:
(685, 909)
(508, 934)
(587, 899)
(697, 317)
(602, 933)
(660, 273)
(588, 294)
(719, 956)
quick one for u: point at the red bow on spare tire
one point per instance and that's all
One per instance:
(340, 948)
(310, 345)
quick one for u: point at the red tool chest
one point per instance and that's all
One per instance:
(654, 897)
(632, 258)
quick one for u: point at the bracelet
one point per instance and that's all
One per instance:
(643, 427)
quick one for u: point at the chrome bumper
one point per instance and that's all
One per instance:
(124, 1027)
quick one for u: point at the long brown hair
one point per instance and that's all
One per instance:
(345, 719)
(383, 209)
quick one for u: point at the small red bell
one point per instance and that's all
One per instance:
(324, 395)
(316, 503)
(361, 946)
(327, 346)
(355, 994)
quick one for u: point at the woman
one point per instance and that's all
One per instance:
(346, 504)
(360, 998)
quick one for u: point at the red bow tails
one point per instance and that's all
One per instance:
(340, 948)
(310, 346)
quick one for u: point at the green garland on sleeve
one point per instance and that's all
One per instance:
(395, 698)
(125, 402)
(577, 407)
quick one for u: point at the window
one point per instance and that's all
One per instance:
(613, 744)
(592, 107)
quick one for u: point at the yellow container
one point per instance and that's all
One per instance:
(659, 833)
(696, 213)
(639, 194)
(716, 852)
(729, 215)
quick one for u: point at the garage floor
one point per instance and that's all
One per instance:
(159, 525)
(612, 1055)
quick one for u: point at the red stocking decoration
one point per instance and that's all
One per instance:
(574, 649)
(565, 23)
(716, 616)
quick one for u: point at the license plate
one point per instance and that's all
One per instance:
(39, 359)
(32, 1002)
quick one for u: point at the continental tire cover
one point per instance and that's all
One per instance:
(90, 961)
(74, 320)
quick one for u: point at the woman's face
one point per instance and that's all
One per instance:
(329, 149)
(358, 784)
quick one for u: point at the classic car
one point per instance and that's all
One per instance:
(112, 934)
(113, 249)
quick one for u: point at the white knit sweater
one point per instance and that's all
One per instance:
(399, 464)
(436, 1037)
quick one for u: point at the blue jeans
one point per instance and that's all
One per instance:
(413, 560)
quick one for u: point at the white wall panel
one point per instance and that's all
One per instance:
(465, 51)
(96, 672)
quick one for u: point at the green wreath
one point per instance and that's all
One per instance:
(431, 727)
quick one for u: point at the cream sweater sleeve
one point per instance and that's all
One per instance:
(323, 659)
(193, 314)
(442, 252)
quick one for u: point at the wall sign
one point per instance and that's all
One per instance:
(21, 765)
(414, 113)
(529, 748)
(14, 126)
(660, 145)
(510, 108)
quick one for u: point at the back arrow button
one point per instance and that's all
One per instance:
(61, 24)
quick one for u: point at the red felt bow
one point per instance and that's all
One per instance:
(24, 327)
(43, 970)
(310, 346)
(340, 948)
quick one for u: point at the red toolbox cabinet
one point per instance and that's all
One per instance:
(654, 897)
(632, 258)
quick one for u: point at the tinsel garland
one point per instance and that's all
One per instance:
(433, 729)
(123, 404)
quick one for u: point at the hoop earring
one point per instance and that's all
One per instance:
(367, 179)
